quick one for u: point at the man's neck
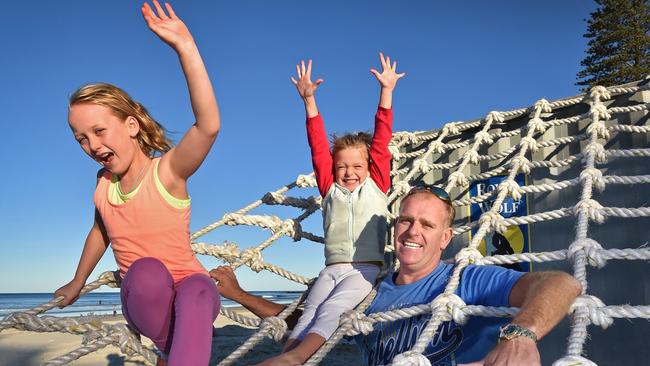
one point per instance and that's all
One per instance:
(405, 277)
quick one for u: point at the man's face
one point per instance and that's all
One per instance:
(421, 234)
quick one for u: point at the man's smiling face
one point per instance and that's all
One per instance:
(421, 234)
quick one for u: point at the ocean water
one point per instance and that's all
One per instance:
(106, 303)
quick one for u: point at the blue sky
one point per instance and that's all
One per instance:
(462, 59)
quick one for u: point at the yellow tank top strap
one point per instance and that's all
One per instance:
(117, 197)
(175, 202)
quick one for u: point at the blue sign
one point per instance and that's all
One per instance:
(516, 239)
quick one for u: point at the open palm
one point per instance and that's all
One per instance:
(169, 28)
(304, 85)
(388, 77)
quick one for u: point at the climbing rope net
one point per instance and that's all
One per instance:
(453, 154)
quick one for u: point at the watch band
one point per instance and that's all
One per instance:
(512, 331)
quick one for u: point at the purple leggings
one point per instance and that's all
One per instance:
(177, 318)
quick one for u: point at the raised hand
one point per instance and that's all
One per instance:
(388, 77)
(168, 28)
(304, 85)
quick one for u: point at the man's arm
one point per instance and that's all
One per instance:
(544, 299)
(230, 289)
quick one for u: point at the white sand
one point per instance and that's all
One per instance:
(21, 348)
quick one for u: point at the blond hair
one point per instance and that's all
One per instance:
(358, 139)
(151, 137)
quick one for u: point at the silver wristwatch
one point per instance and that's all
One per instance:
(512, 331)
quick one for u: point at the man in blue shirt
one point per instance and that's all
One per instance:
(422, 232)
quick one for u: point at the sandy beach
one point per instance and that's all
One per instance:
(21, 348)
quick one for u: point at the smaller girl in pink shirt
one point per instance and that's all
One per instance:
(142, 208)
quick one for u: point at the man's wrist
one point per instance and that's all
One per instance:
(511, 331)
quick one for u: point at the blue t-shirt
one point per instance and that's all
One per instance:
(453, 343)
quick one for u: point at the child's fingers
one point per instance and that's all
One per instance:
(172, 15)
(309, 69)
(374, 72)
(387, 66)
(401, 75)
(381, 59)
(159, 9)
(394, 65)
(298, 71)
(317, 82)
(302, 68)
(148, 12)
(294, 81)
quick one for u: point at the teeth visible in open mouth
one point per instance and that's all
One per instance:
(412, 245)
(105, 157)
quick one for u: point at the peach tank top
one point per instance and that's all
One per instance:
(147, 226)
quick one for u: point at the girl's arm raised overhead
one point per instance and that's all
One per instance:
(387, 80)
(183, 160)
(306, 88)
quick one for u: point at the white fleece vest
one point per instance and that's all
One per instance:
(354, 223)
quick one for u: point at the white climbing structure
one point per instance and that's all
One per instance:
(549, 140)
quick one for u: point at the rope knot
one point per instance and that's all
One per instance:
(292, 229)
(273, 198)
(599, 112)
(229, 252)
(359, 322)
(592, 250)
(438, 147)
(449, 307)
(451, 128)
(596, 178)
(252, 257)
(472, 156)
(394, 151)
(422, 166)
(593, 306)
(529, 142)
(536, 124)
(543, 106)
(522, 162)
(599, 92)
(597, 150)
(401, 187)
(592, 208)
(127, 340)
(512, 188)
(495, 116)
(483, 137)
(598, 127)
(410, 358)
(458, 178)
(573, 360)
(231, 219)
(111, 278)
(276, 327)
(493, 219)
(306, 181)
(412, 138)
(469, 255)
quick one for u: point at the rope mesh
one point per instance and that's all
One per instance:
(453, 156)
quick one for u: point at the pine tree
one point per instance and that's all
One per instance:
(619, 43)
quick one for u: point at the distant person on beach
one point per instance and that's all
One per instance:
(142, 207)
(353, 178)
(422, 232)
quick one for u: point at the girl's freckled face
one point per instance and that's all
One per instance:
(351, 166)
(102, 135)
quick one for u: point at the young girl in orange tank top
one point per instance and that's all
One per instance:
(142, 204)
